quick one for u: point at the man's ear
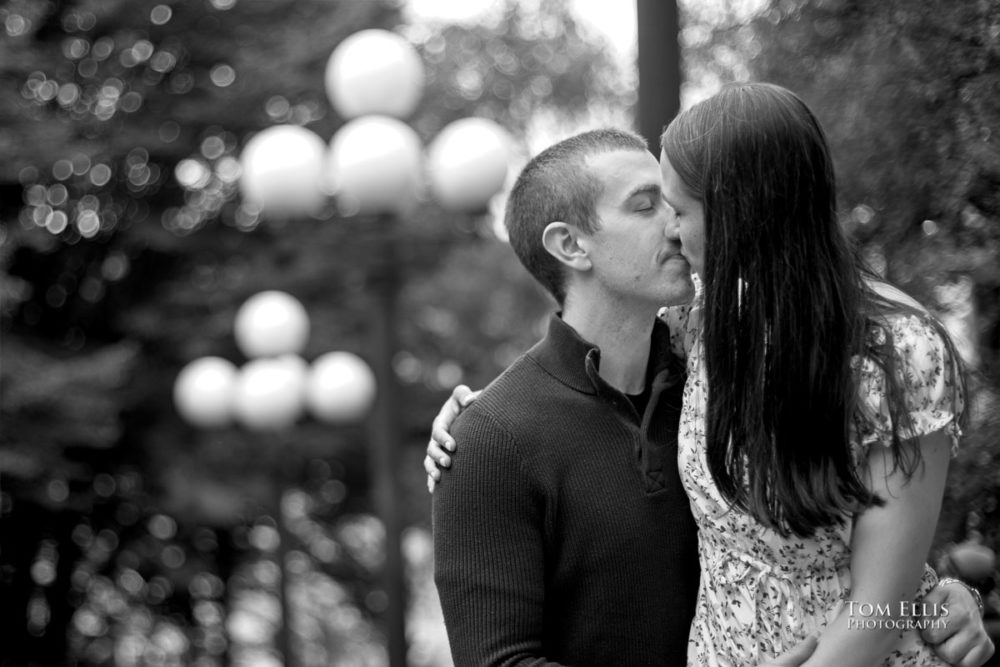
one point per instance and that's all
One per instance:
(562, 241)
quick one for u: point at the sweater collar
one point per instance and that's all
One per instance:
(575, 362)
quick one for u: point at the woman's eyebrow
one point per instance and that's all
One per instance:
(663, 195)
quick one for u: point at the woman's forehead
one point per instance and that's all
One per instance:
(674, 190)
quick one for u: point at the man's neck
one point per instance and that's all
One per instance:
(622, 333)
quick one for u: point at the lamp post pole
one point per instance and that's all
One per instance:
(283, 636)
(659, 67)
(285, 457)
(385, 435)
(269, 395)
(375, 166)
(375, 80)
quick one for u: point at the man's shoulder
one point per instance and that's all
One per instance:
(523, 373)
(511, 402)
(520, 378)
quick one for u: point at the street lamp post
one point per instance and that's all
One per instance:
(385, 434)
(374, 78)
(376, 166)
(270, 393)
(271, 328)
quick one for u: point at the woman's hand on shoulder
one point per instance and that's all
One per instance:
(441, 442)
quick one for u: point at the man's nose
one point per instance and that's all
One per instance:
(672, 229)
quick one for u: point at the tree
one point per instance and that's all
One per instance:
(125, 252)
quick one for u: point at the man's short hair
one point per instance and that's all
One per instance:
(556, 185)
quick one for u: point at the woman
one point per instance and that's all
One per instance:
(821, 404)
(815, 393)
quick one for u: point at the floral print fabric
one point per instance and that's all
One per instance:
(760, 593)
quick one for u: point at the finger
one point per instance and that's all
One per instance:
(936, 633)
(936, 596)
(968, 647)
(442, 439)
(432, 469)
(470, 398)
(958, 599)
(797, 654)
(461, 397)
(958, 617)
(441, 425)
(435, 451)
(978, 656)
(460, 393)
(438, 455)
(955, 648)
(433, 474)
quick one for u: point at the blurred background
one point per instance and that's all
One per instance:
(146, 521)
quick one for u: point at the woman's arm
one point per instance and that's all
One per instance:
(889, 548)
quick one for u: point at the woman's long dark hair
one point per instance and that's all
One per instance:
(787, 307)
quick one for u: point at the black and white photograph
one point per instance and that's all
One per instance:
(499, 333)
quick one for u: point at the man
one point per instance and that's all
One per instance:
(562, 534)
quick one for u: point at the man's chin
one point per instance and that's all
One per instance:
(679, 292)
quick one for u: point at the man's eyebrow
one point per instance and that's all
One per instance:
(652, 189)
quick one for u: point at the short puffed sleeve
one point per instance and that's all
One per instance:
(929, 377)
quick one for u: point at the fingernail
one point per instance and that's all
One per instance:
(450, 445)
(445, 461)
(430, 485)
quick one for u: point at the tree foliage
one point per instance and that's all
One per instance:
(125, 252)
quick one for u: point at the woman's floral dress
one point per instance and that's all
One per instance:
(760, 593)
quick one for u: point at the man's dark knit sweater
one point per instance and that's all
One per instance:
(562, 534)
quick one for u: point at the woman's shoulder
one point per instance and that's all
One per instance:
(892, 294)
(913, 336)
(902, 319)
(906, 340)
(683, 322)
